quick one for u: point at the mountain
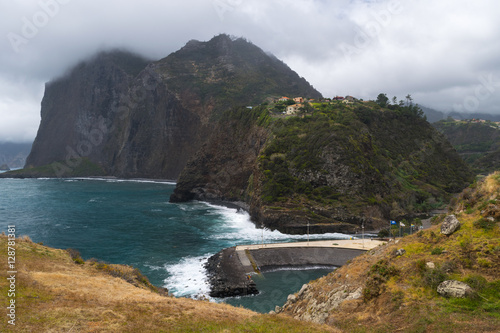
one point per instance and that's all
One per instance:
(14, 154)
(435, 115)
(336, 168)
(119, 114)
(477, 142)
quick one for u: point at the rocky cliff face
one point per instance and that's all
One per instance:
(336, 169)
(14, 154)
(136, 118)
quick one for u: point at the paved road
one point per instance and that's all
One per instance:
(357, 244)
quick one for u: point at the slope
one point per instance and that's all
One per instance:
(394, 287)
(477, 142)
(53, 293)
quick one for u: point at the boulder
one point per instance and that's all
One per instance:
(450, 225)
(400, 252)
(456, 289)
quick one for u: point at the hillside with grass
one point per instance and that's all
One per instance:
(478, 143)
(56, 291)
(334, 166)
(394, 287)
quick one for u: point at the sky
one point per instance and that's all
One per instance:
(445, 53)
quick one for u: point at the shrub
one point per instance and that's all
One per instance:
(477, 282)
(75, 255)
(484, 224)
(433, 277)
(437, 251)
(377, 276)
(383, 233)
(484, 262)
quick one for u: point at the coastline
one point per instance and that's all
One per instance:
(6, 175)
(230, 270)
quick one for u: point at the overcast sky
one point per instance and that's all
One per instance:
(444, 53)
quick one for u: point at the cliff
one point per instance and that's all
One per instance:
(336, 168)
(14, 154)
(121, 115)
(397, 287)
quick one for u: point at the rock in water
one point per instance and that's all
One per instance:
(456, 289)
(450, 225)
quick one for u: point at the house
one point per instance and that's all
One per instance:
(350, 99)
(298, 100)
(338, 98)
(293, 109)
(346, 101)
(283, 99)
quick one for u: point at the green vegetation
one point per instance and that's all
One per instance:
(377, 276)
(84, 168)
(321, 156)
(478, 143)
(243, 76)
(400, 292)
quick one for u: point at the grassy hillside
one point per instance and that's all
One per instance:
(397, 292)
(477, 143)
(55, 293)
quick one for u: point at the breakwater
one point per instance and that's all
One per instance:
(230, 270)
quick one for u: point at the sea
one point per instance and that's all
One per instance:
(132, 222)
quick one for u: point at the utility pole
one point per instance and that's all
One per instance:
(263, 235)
(307, 233)
(363, 233)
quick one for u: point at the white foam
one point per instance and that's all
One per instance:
(188, 277)
(116, 180)
(241, 229)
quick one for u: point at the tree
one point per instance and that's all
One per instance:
(382, 100)
(394, 100)
(409, 100)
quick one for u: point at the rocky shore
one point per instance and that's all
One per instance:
(227, 276)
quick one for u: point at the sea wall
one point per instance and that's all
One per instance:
(282, 258)
(230, 270)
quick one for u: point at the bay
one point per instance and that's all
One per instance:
(131, 222)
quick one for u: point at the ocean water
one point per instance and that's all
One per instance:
(131, 222)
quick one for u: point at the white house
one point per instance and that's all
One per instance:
(293, 109)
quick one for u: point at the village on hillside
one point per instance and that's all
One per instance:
(494, 124)
(297, 105)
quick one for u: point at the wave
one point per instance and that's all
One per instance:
(188, 277)
(117, 180)
(238, 225)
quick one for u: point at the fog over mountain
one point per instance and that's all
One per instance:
(443, 53)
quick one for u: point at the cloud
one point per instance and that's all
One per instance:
(437, 51)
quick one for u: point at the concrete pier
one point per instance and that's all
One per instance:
(230, 269)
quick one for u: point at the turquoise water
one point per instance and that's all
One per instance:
(132, 222)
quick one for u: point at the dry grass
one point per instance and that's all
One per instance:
(53, 294)
(408, 302)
